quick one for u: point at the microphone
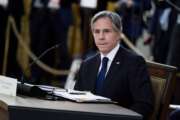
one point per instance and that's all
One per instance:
(38, 58)
(42, 54)
(29, 89)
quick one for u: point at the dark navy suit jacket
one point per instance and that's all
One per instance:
(127, 81)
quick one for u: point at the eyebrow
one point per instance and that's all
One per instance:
(104, 30)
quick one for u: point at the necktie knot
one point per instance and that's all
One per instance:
(104, 62)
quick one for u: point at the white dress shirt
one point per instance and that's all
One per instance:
(110, 57)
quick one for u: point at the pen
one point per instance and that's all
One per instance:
(77, 93)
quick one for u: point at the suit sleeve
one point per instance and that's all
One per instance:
(141, 88)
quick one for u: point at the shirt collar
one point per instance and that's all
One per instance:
(112, 53)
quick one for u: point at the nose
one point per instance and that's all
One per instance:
(101, 35)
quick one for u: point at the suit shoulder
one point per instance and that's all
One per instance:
(91, 58)
(131, 55)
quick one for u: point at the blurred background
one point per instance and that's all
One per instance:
(40, 39)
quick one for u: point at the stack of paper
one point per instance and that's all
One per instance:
(81, 96)
(73, 95)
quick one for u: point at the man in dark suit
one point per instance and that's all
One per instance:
(126, 78)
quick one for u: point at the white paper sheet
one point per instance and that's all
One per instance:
(81, 96)
(8, 86)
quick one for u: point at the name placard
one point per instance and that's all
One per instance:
(8, 86)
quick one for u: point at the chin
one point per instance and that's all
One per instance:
(103, 51)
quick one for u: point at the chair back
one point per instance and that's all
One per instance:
(163, 84)
(4, 114)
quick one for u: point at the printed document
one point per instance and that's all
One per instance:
(81, 96)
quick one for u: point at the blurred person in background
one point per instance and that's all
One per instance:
(16, 10)
(3, 23)
(174, 49)
(160, 30)
(50, 21)
(132, 12)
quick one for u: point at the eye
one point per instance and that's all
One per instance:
(96, 31)
(107, 30)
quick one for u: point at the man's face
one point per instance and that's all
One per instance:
(106, 38)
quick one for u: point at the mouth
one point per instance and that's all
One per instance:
(101, 44)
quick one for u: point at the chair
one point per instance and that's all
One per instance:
(4, 114)
(163, 84)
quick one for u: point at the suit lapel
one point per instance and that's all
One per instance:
(94, 70)
(114, 68)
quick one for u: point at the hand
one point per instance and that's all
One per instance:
(148, 39)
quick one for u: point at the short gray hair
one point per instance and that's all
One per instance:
(114, 17)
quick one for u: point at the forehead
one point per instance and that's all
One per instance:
(103, 22)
